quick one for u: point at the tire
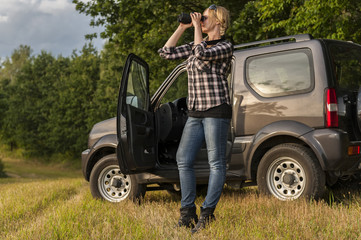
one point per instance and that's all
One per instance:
(290, 171)
(108, 183)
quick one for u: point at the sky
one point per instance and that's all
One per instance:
(51, 25)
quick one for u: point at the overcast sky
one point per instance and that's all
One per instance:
(51, 25)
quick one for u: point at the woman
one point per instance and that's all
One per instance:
(208, 64)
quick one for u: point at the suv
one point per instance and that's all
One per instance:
(295, 126)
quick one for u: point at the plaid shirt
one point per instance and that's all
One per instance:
(207, 72)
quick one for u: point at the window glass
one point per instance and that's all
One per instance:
(137, 91)
(280, 74)
(346, 60)
(178, 89)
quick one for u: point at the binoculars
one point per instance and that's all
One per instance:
(185, 18)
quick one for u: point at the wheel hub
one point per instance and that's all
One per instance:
(286, 178)
(116, 182)
(113, 185)
(289, 178)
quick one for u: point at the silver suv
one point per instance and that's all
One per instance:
(295, 127)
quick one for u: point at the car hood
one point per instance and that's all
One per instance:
(100, 129)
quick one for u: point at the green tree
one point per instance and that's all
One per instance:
(11, 66)
(334, 19)
(48, 106)
(104, 102)
(9, 70)
(27, 104)
(68, 122)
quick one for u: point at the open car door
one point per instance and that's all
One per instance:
(136, 150)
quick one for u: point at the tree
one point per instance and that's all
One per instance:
(68, 122)
(48, 107)
(28, 107)
(334, 19)
(11, 66)
(105, 96)
(9, 70)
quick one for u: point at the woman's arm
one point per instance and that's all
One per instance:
(172, 41)
(220, 51)
(170, 51)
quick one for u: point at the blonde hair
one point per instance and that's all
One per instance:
(222, 15)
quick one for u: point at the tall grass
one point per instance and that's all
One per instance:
(63, 208)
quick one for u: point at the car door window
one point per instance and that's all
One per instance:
(137, 92)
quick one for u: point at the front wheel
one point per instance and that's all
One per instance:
(290, 171)
(108, 183)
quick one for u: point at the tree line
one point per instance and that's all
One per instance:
(49, 104)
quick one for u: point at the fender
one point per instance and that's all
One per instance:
(89, 159)
(285, 128)
(328, 145)
(106, 141)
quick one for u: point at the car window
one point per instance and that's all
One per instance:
(137, 91)
(178, 89)
(282, 73)
(346, 60)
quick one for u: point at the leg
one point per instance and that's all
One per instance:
(191, 142)
(216, 132)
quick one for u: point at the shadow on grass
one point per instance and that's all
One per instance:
(2, 173)
(344, 192)
(17, 170)
(172, 196)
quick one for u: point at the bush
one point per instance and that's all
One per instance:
(2, 173)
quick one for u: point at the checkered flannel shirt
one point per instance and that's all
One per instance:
(207, 69)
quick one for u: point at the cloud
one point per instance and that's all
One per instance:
(3, 18)
(54, 6)
(51, 25)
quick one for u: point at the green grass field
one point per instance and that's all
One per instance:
(49, 202)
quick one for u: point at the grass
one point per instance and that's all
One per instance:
(45, 202)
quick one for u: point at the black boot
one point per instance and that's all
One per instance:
(205, 218)
(188, 217)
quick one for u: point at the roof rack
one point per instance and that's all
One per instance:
(298, 38)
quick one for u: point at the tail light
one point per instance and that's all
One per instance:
(331, 108)
(353, 150)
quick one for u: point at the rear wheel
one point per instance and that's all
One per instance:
(108, 183)
(290, 171)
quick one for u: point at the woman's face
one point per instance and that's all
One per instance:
(209, 23)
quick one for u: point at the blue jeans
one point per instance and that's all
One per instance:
(197, 130)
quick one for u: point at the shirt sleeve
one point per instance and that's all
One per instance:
(180, 52)
(220, 51)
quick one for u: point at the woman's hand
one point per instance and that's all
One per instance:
(196, 19)
(185, 26)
